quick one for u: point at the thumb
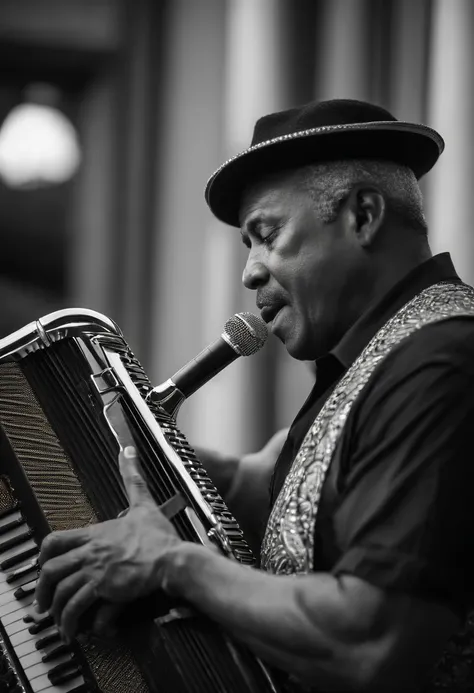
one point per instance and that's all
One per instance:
(135, 485)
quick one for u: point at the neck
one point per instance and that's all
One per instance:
(398, 260)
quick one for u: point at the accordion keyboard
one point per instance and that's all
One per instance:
(46, 663)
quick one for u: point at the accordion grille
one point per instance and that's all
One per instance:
(59, 493)
(7, 500)
(42, 458)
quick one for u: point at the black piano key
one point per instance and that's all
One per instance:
(9, 511)
(24, 591)
(63, 672)
(14, 541)
(62, 668)
(17, 522)
(38, 626)
(57, 652)
(24, 570)
(82, 688)
(48, 640)
(18, 558)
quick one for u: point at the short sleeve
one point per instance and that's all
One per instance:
(405, 516)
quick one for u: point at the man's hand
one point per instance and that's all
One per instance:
(116, 561)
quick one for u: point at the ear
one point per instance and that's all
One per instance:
(367, 210)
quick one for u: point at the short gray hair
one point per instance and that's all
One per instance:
(329, 184)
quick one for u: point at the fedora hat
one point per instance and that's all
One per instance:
(317, 132)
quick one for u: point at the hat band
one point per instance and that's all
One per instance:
(372, 125)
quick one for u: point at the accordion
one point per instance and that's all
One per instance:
(72, 394)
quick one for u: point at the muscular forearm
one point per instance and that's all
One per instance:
(339, 633)
(268, 613)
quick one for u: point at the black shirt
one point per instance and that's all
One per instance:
(397, 506)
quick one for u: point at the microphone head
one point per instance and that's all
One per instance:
(246, 333)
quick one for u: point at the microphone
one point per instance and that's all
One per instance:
(243, 335)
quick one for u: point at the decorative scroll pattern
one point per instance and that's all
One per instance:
(288, 544)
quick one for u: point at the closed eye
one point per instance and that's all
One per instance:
(261, 230)
(270, 237)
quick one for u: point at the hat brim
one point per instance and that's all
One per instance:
(409, 144)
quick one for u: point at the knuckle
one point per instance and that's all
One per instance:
(137, 479)
(47, 572)
(96, 547)
(49, 541)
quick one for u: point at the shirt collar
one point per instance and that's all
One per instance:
(436, 269)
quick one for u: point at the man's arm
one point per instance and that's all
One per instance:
(337, 633)
(244, 484)
(340, 634)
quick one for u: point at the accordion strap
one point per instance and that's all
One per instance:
(169, 508)
(173, 505)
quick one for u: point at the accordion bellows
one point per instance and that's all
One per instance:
(71, 394)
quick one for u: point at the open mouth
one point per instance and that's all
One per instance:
(268, 313)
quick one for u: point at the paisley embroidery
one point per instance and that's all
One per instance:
(288, 544)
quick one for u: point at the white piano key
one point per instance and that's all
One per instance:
(24, 609)
(6, 519)
(13, 532)
(20, 637)
(30, 659)
(37, 656)
(28, 584)
(9, 598)
(18, 548)
(41, 668)
(26, 648)
(16, 551)
(43, 684)
(27, 658)
(7, 587)
(12, 606)
(28, 575)
(51, 630)
(16, 626)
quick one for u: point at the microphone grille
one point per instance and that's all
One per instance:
(246, 333)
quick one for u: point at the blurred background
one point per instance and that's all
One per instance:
(113, 114)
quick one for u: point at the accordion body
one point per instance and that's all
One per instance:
(72, 394)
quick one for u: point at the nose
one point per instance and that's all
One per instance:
(255, 273)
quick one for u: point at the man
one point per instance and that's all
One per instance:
(372, 501)
(244, 483)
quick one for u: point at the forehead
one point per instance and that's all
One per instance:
(273, 193)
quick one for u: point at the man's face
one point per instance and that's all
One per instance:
(306, 273)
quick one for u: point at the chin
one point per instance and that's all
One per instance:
(303, 352)
(306, 349)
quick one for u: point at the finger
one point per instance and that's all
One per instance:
(77, 605)
(54, 571)
(57, 543)
(64, 591)
(135, 485)
(105, 619)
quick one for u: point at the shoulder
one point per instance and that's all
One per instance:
(427, 373)
(444, 345)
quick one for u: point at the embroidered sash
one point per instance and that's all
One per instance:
(288, 544)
